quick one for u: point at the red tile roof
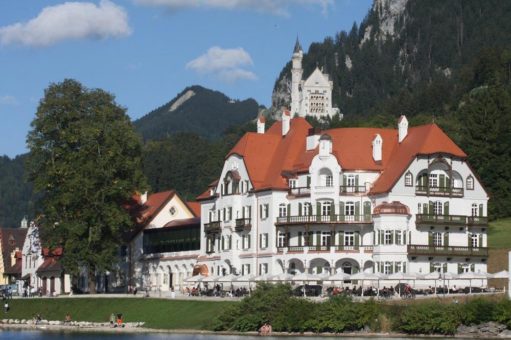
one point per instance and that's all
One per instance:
(268, 156)
(50, 264)
(11, 238)
(194, 207)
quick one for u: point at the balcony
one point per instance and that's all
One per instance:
(299, 192)
(331, 248)
(427, 250)
(242, 224)
(440, 219)
(352, 189)
(425, 190)
(477, 221)
(324, 219)
(212, 227)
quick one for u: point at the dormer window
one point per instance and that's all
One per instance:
(470, 183)
(292, 183)
(329, 181)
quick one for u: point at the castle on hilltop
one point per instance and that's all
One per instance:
(311, 97)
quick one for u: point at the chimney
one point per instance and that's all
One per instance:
(261, 121)
(377, 148)
(402, 126)
(286, 122)
(143, 198)
(325, 145)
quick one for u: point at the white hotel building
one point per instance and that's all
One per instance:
(294, 200)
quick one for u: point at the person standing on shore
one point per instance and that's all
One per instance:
(112, 319)
(6, 307)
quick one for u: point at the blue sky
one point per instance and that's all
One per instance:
(147, 51)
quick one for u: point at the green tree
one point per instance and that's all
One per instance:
(85, 162)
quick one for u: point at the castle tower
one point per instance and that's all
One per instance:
(296, 78)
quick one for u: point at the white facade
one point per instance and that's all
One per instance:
(328, 219)
(313, 96)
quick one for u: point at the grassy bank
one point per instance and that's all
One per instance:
(156, 313)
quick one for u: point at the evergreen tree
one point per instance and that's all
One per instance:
(85, 161)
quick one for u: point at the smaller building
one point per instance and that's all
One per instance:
(11, 242)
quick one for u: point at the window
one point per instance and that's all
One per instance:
(408, 179)
(263, 268)
(465, 268)
(263, 241)
(325, 238)
(437, 238)
(350, 181)
(350, 209)
(329, 181)
(229, 213)
(245, 269)
(349, 238)
(292, 183)
(307, 209)
(264, 211)
(433, 180)
(474, 209)
(282, 210)
(281, 241)
(399, 267)
(388, 237)
(387, 268)
(326, 208)
(474, 240)
(399, 237)
(470, 183)
(437, 267)
(437, 208)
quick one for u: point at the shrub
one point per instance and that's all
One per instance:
(477, 311)
(429, 318)
(502, 313)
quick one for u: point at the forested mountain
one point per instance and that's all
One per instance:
(197, 110)
(15, 193)
(407, 56)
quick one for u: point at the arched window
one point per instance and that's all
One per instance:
(325, 178)
(408, 179)
(470, 183)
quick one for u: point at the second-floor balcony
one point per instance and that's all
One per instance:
(440, 219)
(430, 250)
(477, 221)
(299, 191)
(426, 190)
(242, 224)
(212, 227)
(352, 189)
(324, 219)
(323, 248)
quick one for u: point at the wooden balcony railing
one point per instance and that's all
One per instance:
(324, 219)
(242, 224)
(427, 250)
(352, 189)
(477, 221)
(425, 190)
(441, 219)
(212, 227)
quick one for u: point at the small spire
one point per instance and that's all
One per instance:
(298, 47)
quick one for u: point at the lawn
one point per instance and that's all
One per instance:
(156, 313)
(499, 235)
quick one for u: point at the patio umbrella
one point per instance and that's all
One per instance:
(449, 276)
(430, 276)
(246, 278)
(264, 277)
(499, 275)
(338, 277)
(363, 276)
(211, 278)
(282, 277)
(227, 278)
(306, 277)
(473, 275)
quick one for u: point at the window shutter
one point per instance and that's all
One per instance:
(404, 237)
(242, 241)
(431, 267)
(357, 239)
(470, 239)
(472, 267)
(444, 268)
(392, 267)
(480, 240)
(367, 210)
(230, 242)
(260, 211)
(248, 241)
(343, 180)
(332, 212)
(404, 267)
(288, 210)
(446, 208)
(318, 238)
(308, 181)
(223, 243)
(481, 210)
(431, 210)
(288, 238)
(357, 211)
(460, 268)
(341, 239)
(425, 209)
(430, 238)
(374, 238)
(393, 235)
(300, 239)
(261, 241)
(299, 209)
(356, 183)
(446, 239)
(442, 182)
(318, 211)
(341, 211)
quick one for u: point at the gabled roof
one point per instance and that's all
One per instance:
(11, 238)
(194, 208)
(317, 78)
(270, 157)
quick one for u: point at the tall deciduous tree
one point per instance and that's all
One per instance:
(85, 161)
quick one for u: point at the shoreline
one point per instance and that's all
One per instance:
(142, 330)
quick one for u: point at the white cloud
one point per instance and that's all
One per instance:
(70, 20)
(8, 100)
(226, 64)
(277, 7)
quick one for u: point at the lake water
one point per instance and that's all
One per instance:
(39, 335)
